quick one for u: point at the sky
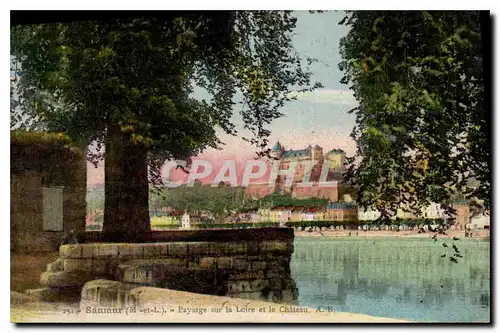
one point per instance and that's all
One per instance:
(320, 117)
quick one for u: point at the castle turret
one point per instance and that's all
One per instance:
(317, 153)
(277, 150)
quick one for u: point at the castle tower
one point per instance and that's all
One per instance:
(317, 153)
(277, 150)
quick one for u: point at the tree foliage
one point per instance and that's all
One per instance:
(422, 121)
(128, 83)
(220, 201)
(139, 74)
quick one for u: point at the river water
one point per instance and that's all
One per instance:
(405, 278)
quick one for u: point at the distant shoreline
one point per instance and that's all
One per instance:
(460, 234)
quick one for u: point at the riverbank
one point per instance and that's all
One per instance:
(171, 306)
(460, 234)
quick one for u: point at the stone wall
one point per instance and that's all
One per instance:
(26, 205)
(244, 269)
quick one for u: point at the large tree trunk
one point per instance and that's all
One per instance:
(126, 205)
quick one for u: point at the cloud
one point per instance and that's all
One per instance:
(328, 96)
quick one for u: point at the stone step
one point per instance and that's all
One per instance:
(53, 295)
(64, 279)
(56, 266)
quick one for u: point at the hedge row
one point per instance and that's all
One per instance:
(410, 223)
(42, 152)
(43, 138)
(222, 225)
(320, 224)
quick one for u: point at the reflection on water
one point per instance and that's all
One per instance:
(395, 278)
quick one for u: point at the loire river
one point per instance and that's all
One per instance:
(394, 277)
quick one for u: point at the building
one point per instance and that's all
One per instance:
(432, 211)
(264, 215)
(462, 212)
(313, 214)
(185, 221)
(341, 211)
(334, 159)
(368, 214)
(281, 214)
(48, 191)
(480, 221)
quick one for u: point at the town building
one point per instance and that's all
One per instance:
(480, 221)
(462, 213)
(321, 187)
(341, 211)
(368, 214)
(433, 211)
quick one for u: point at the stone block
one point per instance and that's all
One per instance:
(224, 262)
(275, 247)
(271, 273)
(193, 265)
(258, 265)
(287, 296)
(275, 284)
(78, 265)
(258, 285)
(88, 250)
(178, 249)
(164, 250)
(63, 279)
(180, 262)
(71, 251)
(56, 266)
(246, 275)
(199, 248)
(288, 283)
(252, 248)
(245, 285)
(174, 262)
(240, 264)
(219, 249)
(99, 266)
(274, 296)
(238, 248)
(125, 251)
(107, 293)
(136, 250)
(152, 250)
(137, 274)
(106, 250)
(208, 262)
(125, 273)
(40, 293)
(234, 287)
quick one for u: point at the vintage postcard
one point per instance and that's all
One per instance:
(250, 166)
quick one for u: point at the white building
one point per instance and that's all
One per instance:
(185, 221)
(480, 221)
(368, 214)
(433, 211)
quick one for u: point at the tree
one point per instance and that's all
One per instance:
(422, 121)
(201, 198)
(127, 84)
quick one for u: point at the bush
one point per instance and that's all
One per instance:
(220, 225)
(321, 224)
(42, 152)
